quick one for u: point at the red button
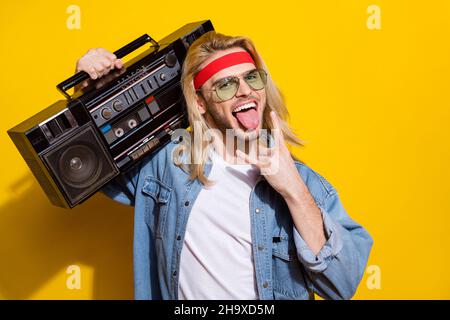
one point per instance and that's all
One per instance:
(149, 99)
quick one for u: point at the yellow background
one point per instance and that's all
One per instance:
(373, 106)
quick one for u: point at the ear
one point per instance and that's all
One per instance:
(201, 104)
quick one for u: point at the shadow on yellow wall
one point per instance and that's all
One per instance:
(38, 241)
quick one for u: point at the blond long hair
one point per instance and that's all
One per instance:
(198, 53)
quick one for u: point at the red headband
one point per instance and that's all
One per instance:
(221, 63)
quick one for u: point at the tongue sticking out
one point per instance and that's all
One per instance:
(248, 118)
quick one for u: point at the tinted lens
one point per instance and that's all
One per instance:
(256, 79)
(227, 88)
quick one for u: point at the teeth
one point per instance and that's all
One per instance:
(245, 106)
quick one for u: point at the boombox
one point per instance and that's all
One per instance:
(77, 145)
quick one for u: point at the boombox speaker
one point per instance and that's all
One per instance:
(68, 159)
(80, 164)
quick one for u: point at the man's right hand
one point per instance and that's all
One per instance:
(98, 63)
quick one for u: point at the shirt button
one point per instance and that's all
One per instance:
(257, 210)
(265, 284)
(174, 273)
(178, 238)
(180, 139)
(186, 203)
(260, 247)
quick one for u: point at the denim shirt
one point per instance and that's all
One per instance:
(285, 267)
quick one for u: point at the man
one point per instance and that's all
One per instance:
(268, 227)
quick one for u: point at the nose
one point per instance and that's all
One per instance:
(244, 89)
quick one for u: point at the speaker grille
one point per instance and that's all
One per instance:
(80, 165)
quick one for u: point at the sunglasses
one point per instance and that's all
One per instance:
(227, 87)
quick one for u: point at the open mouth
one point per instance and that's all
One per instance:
(247, 115)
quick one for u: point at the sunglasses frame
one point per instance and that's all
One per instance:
(238, 83)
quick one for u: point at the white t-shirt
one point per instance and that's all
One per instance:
(216, 259)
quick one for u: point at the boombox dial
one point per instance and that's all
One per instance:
(170, 60)
(106, 113)
(118, 105)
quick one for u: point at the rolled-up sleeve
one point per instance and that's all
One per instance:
(333, 245)
(337, 269)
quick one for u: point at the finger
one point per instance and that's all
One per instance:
(108, 55)
(120, 71)
(111, 56)
(82, 65)
(278, 135)
(275, 120)
(91, 71)
(118, 63)
(246, 158)
(275, 127)
(103, 51)
(99, 68)
(263, 151)
(107, 64)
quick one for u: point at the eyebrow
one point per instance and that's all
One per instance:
(233, 76)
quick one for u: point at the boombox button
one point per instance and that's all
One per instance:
(106, 113)
(162, 76)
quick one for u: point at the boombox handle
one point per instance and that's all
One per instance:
(122, 52)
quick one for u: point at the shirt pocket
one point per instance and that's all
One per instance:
(289, 279)
(158, 193)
